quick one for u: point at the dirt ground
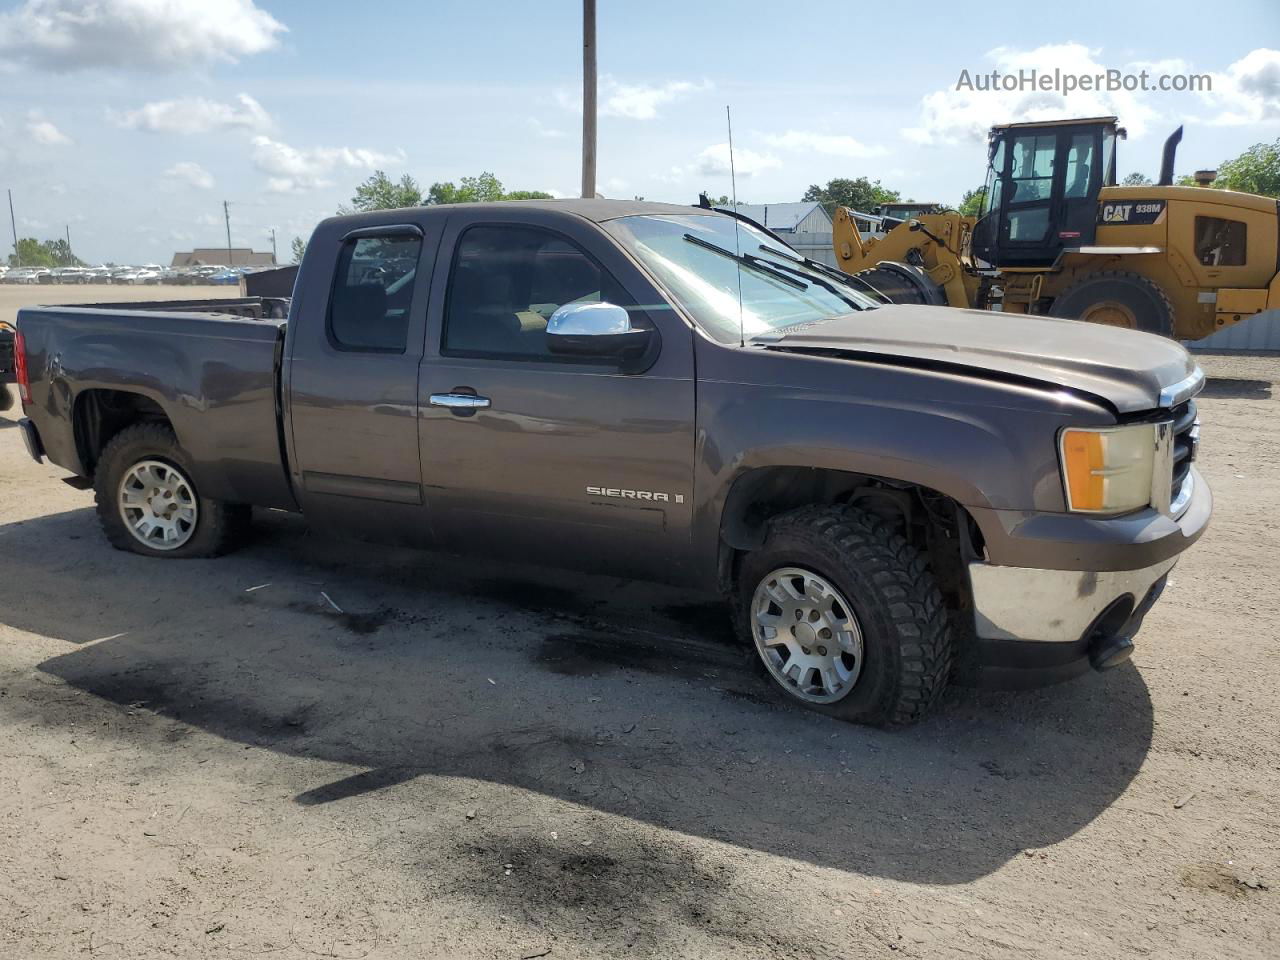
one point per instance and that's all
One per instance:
(206, 759)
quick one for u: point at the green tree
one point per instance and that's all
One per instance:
(1136, 179)
(485, 188)
(527, 195)
(1257, 170)
(860, 194)
(972, 201)
(33, 253)
(298, 247)
(379, 192)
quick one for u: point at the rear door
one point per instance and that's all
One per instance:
(565, 462)
(353, 384)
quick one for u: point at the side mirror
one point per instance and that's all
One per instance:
(601, 330)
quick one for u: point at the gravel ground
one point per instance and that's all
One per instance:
(206, 759)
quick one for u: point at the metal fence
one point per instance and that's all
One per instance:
(1258, 334)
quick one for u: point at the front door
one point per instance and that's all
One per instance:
(555, 460)
(353, 388)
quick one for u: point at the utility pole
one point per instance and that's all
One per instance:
(17, 254)
(589, 98)
(71, 260)
(226, 214)
(273, 245)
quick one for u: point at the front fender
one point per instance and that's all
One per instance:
(987, 445)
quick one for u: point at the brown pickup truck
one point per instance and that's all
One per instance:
(887, 495)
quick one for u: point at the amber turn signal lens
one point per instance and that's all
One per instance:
(1083, 463)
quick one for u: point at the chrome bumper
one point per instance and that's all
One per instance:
(1052, 606)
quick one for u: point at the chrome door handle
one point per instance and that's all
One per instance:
(459, 401)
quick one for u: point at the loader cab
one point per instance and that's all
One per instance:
(1042, 187)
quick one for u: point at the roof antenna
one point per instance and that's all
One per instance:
(737, 242)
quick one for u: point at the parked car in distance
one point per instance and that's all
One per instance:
(231, 275)
(886, 495)
(69, 274)
(26, 275)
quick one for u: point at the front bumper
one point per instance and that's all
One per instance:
(1041, 624)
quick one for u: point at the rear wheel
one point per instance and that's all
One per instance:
(148, 502)
(845, 618)
(1117, 299)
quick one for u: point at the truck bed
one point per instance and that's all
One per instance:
(212, 375)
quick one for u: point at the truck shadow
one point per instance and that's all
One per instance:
(624, 698)
(1226, 388)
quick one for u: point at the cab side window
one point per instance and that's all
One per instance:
(506, 283)
(1219, 242)
(369, 308)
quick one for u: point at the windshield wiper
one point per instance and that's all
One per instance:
(746, 259)
(837, 275)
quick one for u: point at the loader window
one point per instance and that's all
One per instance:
(1033, 168)
(1080, 166)
(1030, 187)
(1219, 242)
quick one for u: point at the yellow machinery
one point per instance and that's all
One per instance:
(1057, 236)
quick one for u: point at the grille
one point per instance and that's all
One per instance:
(1186, 440)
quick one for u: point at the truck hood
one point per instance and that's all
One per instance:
(1125, 369)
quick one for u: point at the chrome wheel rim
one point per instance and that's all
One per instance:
(158, 505)
(807, 635)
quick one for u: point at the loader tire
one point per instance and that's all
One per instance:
(1119, 299)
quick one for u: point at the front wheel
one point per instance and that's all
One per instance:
(845, 617)
(148, 502)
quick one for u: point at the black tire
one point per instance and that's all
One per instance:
(907, 645)
(1116, 293)
(219, 526)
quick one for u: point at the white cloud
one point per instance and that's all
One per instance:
(198, 115)
(964, 115)
(291, 169)
(163, 35)
(45, 133)
(834, 145)
(1248, 92)
(542, 130)
(635, 101)
(714, 161)
(192, 174)
(641, 101)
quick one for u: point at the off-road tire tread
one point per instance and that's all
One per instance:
(1127, 276)
(873, 551)
(222, 526)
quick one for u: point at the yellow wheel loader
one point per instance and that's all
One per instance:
(1057, 236)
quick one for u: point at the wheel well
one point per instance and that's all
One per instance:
(100, 414)
(936, 524)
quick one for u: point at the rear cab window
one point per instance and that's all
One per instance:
(372, 291)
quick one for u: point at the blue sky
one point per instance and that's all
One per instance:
(132, 120)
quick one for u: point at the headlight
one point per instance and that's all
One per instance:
(1108, 469)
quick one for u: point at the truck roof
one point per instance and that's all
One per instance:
(598, 210)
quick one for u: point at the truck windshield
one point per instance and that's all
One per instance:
(703, 264)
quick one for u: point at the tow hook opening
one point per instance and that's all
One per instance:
(1110, 640)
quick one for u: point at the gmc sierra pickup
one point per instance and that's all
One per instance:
(886, 494)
